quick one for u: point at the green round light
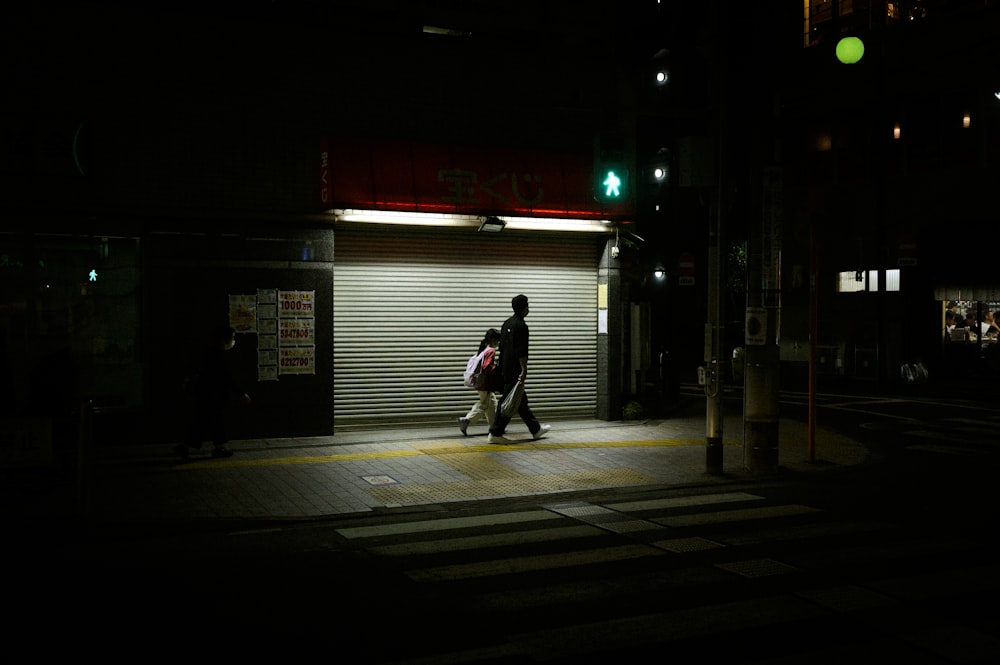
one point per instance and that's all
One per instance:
(850, 50)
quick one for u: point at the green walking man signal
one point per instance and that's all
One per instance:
(611, 183)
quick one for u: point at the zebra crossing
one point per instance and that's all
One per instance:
(587, 582)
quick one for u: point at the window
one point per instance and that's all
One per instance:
(853, 281)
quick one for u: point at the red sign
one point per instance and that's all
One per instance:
(325, 186)
(411, 177)
(907, 251)
(685, 265)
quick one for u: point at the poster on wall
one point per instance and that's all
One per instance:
(243, 313)
(296, 332)
(295, 303)
(285, 323)
(297, 360)
(267, 335)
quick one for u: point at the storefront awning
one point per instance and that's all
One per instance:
(968, 292)
(460, 180)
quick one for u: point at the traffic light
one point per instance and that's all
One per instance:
(654, 188)
(611, 175)
(657, 168)
(660, 66)
(611, 182)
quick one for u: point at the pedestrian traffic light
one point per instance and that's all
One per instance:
(611, 175)
(611, 182)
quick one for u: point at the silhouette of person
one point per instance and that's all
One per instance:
(514, 365)
(213, 388)
(486, 405)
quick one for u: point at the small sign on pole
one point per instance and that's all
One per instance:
(907, 251)
(685, 269)
(756, 326)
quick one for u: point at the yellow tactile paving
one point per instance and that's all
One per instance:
(513, 486)
(478, 466)
(436, 449)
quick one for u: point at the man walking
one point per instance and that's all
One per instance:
(514, 366)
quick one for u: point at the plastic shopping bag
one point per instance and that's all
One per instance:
(508, 407)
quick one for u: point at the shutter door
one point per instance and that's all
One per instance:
(410, 308)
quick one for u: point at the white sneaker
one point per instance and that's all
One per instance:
(463, 424)
(496, 438)
(542, 431)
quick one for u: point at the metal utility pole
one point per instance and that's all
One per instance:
(713, 329)
(713, 344)
(763, 355)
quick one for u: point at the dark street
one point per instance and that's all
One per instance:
(889, 560)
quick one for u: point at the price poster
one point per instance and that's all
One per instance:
(295, 303)
(297, 360)
(286, 333)
(296, 332)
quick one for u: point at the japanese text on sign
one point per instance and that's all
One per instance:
(295, 303)
(297, 332)
(297, 360)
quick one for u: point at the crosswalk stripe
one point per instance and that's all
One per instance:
(683, 501)
(489, 540)
(739, 515)
(532, 563)
(446, 524)
(802, 532)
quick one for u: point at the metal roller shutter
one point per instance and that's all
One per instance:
(411, 307)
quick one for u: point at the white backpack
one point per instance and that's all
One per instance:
(474, 376)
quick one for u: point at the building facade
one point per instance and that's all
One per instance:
(145, 210)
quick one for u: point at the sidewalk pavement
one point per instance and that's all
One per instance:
(358, 473)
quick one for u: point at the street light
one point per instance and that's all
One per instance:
(850, 50)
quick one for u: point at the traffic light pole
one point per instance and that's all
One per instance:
(713, 330)
(713, 341)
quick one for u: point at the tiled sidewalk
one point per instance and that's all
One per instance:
(365, 471)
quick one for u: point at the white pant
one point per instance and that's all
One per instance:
(486, 407)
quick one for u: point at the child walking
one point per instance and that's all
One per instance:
(486, 406)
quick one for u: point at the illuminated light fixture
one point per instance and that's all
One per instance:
(492, 225)
(659, 272)
(896, 132)
(447, 32)
(406, 218)
(966, 121)
(473, 221)
(997, 94)
(559, 224)
(850, 50)
(661, 67)
(658, 166)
